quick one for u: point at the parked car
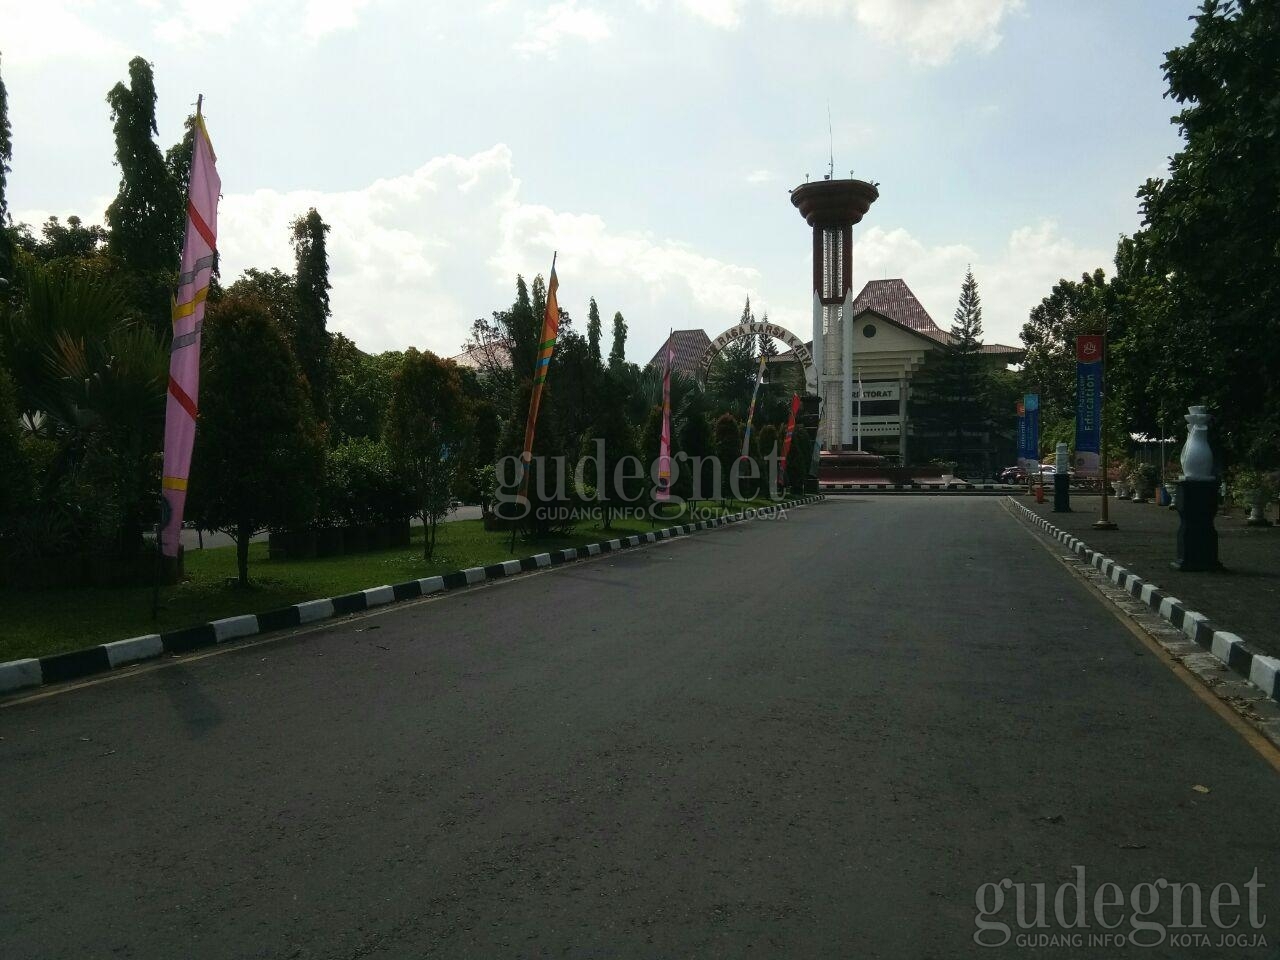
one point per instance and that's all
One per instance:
(1047, 470)
(1013, 475)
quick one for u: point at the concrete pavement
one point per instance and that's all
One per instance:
(812, 737)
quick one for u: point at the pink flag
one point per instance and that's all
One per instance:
(198, 248)
(664, 443)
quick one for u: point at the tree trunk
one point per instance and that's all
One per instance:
(243, 533)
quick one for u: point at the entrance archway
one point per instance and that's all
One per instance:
(741, 330)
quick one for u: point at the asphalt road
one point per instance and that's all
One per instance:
(816, 737)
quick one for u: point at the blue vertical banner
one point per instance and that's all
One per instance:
(1022, 435)
(1031, 403)
(1088, 405)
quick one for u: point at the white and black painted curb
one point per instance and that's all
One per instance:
(955, 486)
(1256, 667)
(60, 667)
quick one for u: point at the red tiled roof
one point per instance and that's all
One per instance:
(894, 299)
(475, 357)
(689, 346)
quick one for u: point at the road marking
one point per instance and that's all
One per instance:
(1247, 731)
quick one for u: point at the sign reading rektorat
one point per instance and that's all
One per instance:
(876, 390)
(1088, 405)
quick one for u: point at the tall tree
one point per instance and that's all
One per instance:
(617, 441)
(259, 451)
(1073, 307)
(95, 377)
(69, 241)
(1212, 227)
(767, 347)
(311, 335)
(618, 352)
(146, 215)
(953, 394)
(522, 328)
(359, 390)
(277, 291)
(728, 446)
(732, 376)
(14, 484)
(695, 442)
(427, 424)
(6, 155)
(594, 331)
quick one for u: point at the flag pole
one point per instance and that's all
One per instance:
(859, 413)
(535, 395)
(164, 512)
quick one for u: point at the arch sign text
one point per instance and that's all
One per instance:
(755, 329)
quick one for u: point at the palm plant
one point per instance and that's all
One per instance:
(90, 377)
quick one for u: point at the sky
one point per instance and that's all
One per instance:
(651, 143)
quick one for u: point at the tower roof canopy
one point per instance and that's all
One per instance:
(834, 203)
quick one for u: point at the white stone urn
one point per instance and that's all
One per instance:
(1197, 458)
(1257, 501)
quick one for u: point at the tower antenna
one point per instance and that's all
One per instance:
(831, 146)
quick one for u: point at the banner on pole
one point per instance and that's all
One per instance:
(546, 346)
(751, 410)
(663, 491)
(1088, 405)
(1021, 410)
(199, 248)
(1031, 404)
(786, 437)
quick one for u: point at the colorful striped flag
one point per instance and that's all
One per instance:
(546, 347)
(199, 247)
(786, 438)
(664, 441)
(751, 410)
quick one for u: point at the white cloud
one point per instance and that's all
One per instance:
(415, 258)
(931, 31)
(760, 176)
(725, 14)
(1011, 281)
(35, 31)
(546, 30)
(191, 20)
(38, 31)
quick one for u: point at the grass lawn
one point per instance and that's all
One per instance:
(37, 623)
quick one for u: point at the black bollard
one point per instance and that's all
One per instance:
(1197, 537)
(1061, 493)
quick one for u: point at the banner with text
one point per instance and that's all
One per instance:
(1031, 404)
(1022, 434)
(1088, 405)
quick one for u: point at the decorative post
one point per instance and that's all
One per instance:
(1061, 479)
(1197, 498)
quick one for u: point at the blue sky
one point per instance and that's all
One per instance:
(652, 142)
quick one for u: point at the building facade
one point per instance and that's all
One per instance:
(890, 336)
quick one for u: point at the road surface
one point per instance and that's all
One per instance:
(817, 737)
